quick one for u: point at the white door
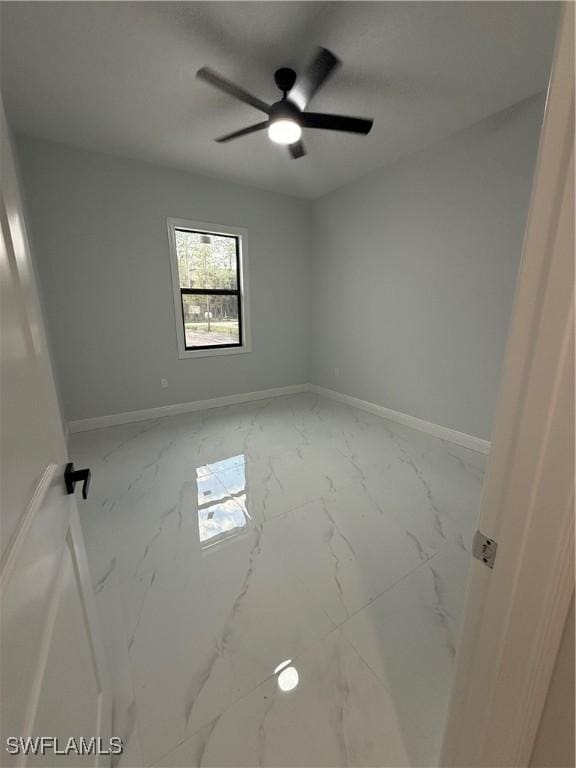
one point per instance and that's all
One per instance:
(52, 677)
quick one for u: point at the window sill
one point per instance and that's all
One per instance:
(186, 353)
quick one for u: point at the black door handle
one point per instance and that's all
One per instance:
(73, 476)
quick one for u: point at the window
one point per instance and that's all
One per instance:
(210, 285)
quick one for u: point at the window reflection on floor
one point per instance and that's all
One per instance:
(222, 512)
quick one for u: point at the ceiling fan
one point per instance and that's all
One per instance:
(287, 117)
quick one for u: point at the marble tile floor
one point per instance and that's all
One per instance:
(279, 583)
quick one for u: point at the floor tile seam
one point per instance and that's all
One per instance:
(318, 599)
(392, 519)
(398, 581)
(305, 648)
(421, 730)
(123, 639)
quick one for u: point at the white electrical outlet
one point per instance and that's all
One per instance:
(164, 383)
(336, 372)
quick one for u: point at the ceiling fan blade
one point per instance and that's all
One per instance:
(336, 122)
(213, 78)
(297, 149)
(242, 132)
(319, 70)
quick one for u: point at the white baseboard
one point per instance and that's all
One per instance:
(98, 422)
(452, 435)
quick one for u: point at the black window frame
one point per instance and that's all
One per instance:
(213, 291)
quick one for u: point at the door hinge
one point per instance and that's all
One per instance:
(484, 549)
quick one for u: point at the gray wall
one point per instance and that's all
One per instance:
(98, 226)
(414, 276)
(403, 281)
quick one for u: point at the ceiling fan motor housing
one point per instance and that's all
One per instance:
(284, 110)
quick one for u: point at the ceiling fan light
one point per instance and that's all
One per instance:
(284, 131)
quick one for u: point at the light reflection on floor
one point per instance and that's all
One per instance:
(288, 677)
(222, 511)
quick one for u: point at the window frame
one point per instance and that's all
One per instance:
(241, 235)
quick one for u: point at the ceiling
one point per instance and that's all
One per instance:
(119, 77)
